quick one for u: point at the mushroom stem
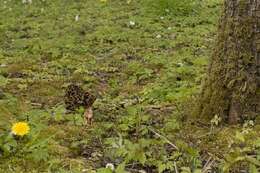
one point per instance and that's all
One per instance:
(88, 114)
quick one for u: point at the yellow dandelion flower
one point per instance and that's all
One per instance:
(20, 128)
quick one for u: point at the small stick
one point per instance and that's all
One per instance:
(175, 167)
(208, 166)
(163, 137)
(36, 104)
(209, 159)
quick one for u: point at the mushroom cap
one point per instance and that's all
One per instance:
(75, 97)
(88, 99)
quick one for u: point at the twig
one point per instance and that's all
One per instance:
(175, 167)
(209, 159)
(36, 104)
(163, 137)
(209, 133)
(208, 165)
(133, 170)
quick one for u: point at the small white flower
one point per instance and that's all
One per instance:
(3, 65)
(167, 10)
(180, 64)
(77, 18)
(169, 28)
(246, 131)
(158, 36)
(162, 18)
(132, 23)
(110, 166)
(26, 1)
(251, 123)
(142, 171)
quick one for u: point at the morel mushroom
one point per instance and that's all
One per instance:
(76, 97)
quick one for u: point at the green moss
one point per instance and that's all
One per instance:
(232, 70)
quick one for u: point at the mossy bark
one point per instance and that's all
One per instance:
(232, 87)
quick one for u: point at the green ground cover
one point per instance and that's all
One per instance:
(144, 60)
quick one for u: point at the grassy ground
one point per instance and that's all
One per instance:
(144, 62)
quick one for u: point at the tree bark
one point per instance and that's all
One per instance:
(232, 87)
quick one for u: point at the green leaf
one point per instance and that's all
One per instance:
(252, 160)
(252, 169)
(104, 170)
(3, 81)
(132, 110)
(257, 142)
(197, 171)
(120, 168)
(161, 167)
(185, 170)
(140, 156)
(240, 137)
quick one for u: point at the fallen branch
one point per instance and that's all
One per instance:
(175, 167)
(208, 165)
(163, 137)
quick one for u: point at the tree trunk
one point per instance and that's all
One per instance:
(232, 87)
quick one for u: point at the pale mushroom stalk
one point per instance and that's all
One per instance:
(88, 114)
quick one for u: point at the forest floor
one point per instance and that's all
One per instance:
(144, 63)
